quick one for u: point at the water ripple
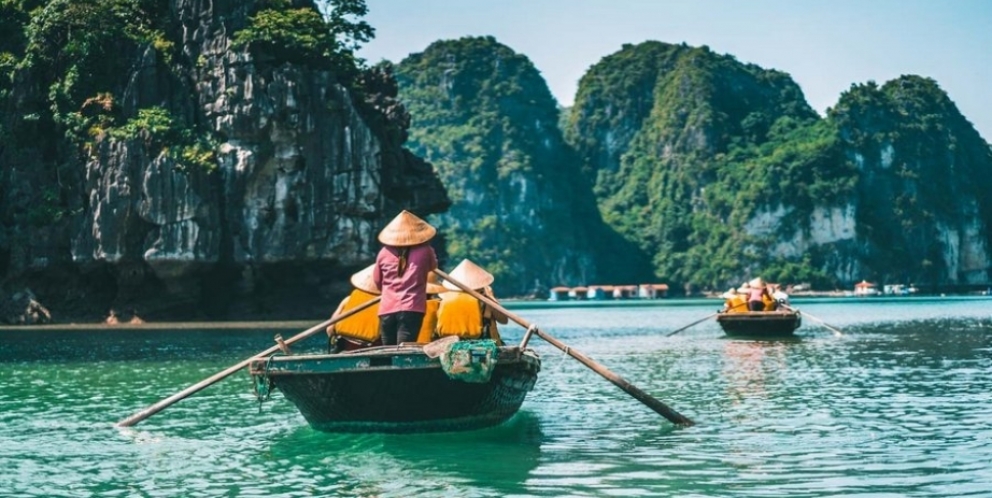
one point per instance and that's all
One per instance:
(892, 408)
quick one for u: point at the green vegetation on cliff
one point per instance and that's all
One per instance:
(717, 169)
(483, 115)
(684, 146)
(70, 64)
(302, 35)
(926, 172)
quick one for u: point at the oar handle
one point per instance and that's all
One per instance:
(643, 397)
(161, 405)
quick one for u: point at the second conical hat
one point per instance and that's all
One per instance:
(470, 274)
(757, 283)
(363, 280)
(406, 229)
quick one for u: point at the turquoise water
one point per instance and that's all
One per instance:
(900, 405)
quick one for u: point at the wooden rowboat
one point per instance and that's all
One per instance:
(760, 323)
(397, 389)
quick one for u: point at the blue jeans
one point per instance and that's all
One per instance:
(402, 326)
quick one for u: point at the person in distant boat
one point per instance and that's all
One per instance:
(757, 293)
(434, 288)
(401, 270)
(361, 329)
(780, 297)
(461, 314)
(734, 301)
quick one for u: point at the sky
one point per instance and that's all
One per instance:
(826, 46)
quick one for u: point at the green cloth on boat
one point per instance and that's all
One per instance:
(470, 361)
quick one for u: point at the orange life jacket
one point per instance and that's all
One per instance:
(363, 325)
(459, 314)
(462, 315)
(737, 304)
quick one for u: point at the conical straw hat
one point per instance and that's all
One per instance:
(757, 283)
(744, 288)
(434, 284)
(363, 280)
(406, 229)
(470, 274)
(729, 294)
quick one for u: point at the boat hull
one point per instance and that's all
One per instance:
(398, 389)
(760, 323)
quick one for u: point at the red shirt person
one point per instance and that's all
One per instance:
(401, 270)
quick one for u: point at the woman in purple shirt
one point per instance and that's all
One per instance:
(756, 295)
(401, 271)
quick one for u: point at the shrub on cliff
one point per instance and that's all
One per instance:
(283, 33)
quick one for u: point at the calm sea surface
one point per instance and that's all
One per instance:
(900, 405)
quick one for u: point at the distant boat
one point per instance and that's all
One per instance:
(782, 323)
(398, 389)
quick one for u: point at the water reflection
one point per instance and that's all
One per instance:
(500, 458)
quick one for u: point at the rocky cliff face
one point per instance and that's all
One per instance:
(486, 119)
(924, 198)
(304, 172)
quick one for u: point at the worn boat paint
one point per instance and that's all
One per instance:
(760, 323)
(396, 389)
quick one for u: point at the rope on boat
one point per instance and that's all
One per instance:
(263, 384)
(566, 351)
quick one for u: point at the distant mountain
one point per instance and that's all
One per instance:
(923, 210)
(483, 115)
(717, 170)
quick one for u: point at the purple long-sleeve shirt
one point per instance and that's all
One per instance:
(409, 291)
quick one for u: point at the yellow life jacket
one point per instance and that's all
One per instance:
(430, 321)
(459, 314)
(737, 304)
(769, 302)
(363, 325)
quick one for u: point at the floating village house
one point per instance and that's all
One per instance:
(602, 292)
(624, 291)
(577, 293)
(865, 288)
(599, 292)
(652, 291)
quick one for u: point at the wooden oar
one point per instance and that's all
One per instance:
(161, 405)
(651, 402)
(837, 332)
(701, 320)
(697, 322)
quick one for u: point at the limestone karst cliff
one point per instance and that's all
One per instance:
(483, 115)
(190, 177)
(718, 169)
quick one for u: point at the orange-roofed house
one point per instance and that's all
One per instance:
(652, 291)
(865, 288)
